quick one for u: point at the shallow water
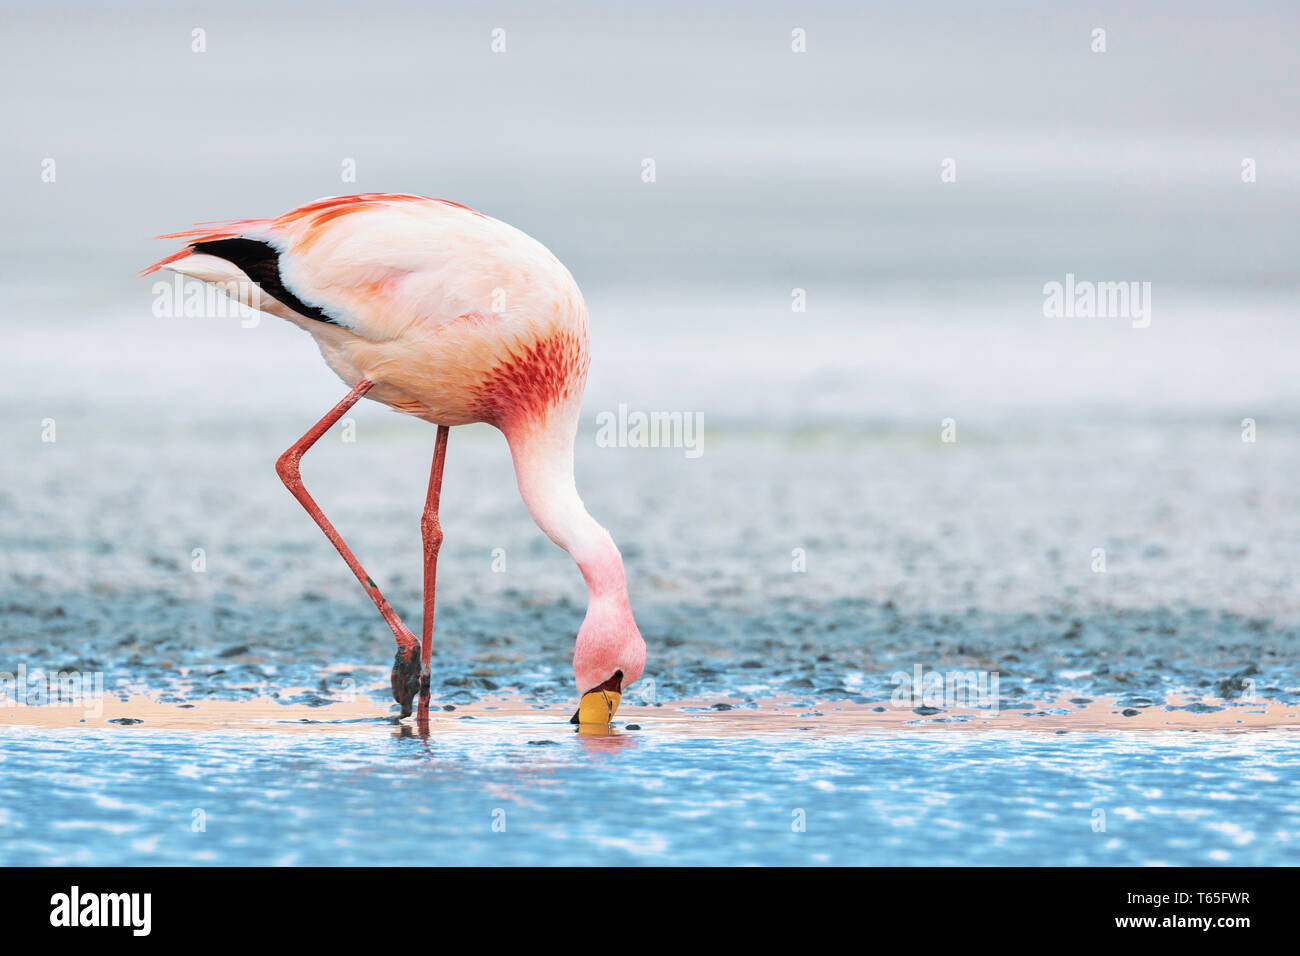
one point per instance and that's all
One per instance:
(533, 795)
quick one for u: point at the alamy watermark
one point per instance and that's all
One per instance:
(625, 429)
(942, 689)
(41, 688)
(1084, 299)
(219, 299)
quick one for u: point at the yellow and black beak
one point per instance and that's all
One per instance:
(600, 704)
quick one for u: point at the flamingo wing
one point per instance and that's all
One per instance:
(368, 263)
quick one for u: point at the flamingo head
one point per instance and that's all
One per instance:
(608, 657)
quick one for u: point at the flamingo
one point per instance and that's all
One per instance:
(449, 315)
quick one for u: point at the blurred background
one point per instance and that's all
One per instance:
(775, 171)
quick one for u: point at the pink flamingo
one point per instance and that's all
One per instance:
(454, 317)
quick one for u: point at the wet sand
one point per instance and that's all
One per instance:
(702, 717)
(193, 575)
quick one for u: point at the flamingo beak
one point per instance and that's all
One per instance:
(597, 707)
(600, 704)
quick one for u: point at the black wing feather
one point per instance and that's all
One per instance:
(261, 263)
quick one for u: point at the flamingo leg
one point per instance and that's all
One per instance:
(287, 467)
(431, 531)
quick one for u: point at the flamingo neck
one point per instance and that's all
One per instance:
(543, 459)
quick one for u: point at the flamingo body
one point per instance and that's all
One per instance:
(456, 317)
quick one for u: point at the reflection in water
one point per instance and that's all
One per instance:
(597, 739)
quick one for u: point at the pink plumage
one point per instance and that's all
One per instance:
(454, 317)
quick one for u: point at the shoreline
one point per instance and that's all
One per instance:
(696, 717)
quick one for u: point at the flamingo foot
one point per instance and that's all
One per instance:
(406, 677)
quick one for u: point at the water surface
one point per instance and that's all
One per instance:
(532, 795)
